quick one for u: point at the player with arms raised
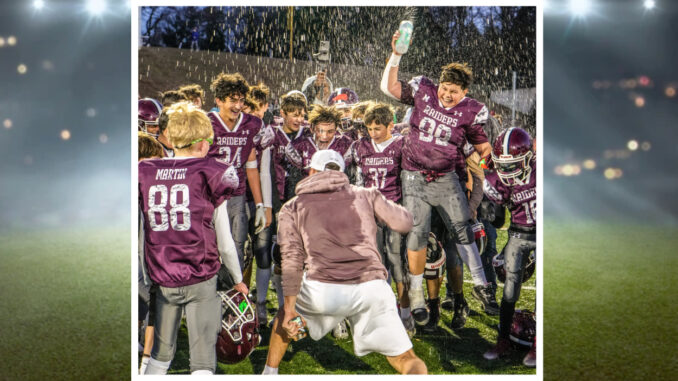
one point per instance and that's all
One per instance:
(442, 118)
(186, 238)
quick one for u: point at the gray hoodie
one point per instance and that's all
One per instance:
(329, 231)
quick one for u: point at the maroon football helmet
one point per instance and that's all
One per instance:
(498, 263)
(239, 333)
(511, 156)
(149, 112)
(342, 98)
(435, 258)
(523, 328)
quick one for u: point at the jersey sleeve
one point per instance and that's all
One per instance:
(395, 216)
(222, 181)
(493, 191)
(291, 250)
(475, 132)
(264, 138)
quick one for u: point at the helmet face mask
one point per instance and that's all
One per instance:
(239, 327)
(511, 155)
(149, 112)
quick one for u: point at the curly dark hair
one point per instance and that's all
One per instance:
(457, 73)
(226, 85)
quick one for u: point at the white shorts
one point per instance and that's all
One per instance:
(370, 308)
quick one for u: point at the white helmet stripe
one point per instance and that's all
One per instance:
(505, 143)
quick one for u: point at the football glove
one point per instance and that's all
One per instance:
(259, 219)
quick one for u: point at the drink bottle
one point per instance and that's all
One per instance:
(403, 42)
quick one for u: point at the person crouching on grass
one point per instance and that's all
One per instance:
(327, 236)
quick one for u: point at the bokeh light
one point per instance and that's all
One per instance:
(645, 146)
(589, 164)
(91, 112)
(103, 138)
(65, 134)
(21, 69)
(639, 101)
(670, 91)
(7, 123)
(2, 42)
(632, 145)
(11, 40)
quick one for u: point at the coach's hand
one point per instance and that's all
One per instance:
(291, 328)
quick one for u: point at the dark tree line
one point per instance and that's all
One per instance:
(495, 41)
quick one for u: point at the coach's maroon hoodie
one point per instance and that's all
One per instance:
(330, 228)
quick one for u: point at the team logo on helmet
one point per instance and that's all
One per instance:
(511, 155)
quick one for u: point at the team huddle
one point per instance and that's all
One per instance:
(336, 201)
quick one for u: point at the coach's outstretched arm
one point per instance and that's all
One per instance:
(389, 80)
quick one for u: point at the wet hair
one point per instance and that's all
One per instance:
(187, 123)
(226, 85)
(324, 114)
(171, 97)
(292, 102)
(379, 113)
(457, 73)
(358, 110)
(148, 146)
(192, 92)
(332, 167)
(163, 119)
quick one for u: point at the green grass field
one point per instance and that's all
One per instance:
(65, 305)
(445, 352)
(609, 311)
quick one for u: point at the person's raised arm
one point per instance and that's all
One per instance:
(389, 80)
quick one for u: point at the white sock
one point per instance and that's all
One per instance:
(144, 364)
(277, 282)
(157, 367)
(416, 281)
(469, 254)
(263, 276)
(404, 312)
(202, 372)
(269, 370)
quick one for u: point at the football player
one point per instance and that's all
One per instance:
(168, 150)
(332, 269)
(186, 236)
(193, 93)
(236, 135)
(344, 99)
(377, 159)
(149, 112)
(513, 184)
(324, 121)
(171, 97)
(441, 119)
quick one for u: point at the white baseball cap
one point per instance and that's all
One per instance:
(321, 158)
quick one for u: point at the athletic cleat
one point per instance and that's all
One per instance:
(502, 347)
(530, 359)
(408, 323)
(418, 306)
(434, 315)
(485, 294)
(448, 302)
(340, 331)
(460, 315)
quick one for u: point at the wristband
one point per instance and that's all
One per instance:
(260, 205)
(394, 61)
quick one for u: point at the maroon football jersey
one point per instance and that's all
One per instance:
(177, 197)
(521, 200)
(436, 132)
(234, 146)
(379, 167)
(301, 149)
(279, 159)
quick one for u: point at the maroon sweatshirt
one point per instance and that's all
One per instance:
(329, 231)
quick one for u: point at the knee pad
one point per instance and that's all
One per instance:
(263, 256)
(417, 240)
(512, 287)
(464, 233)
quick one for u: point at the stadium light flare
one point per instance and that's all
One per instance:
(7, 123)
(579, 8)
(649, 4)
(632, 145)
(96, 7)
(38, 4)
(65, 134)
(589, 164)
